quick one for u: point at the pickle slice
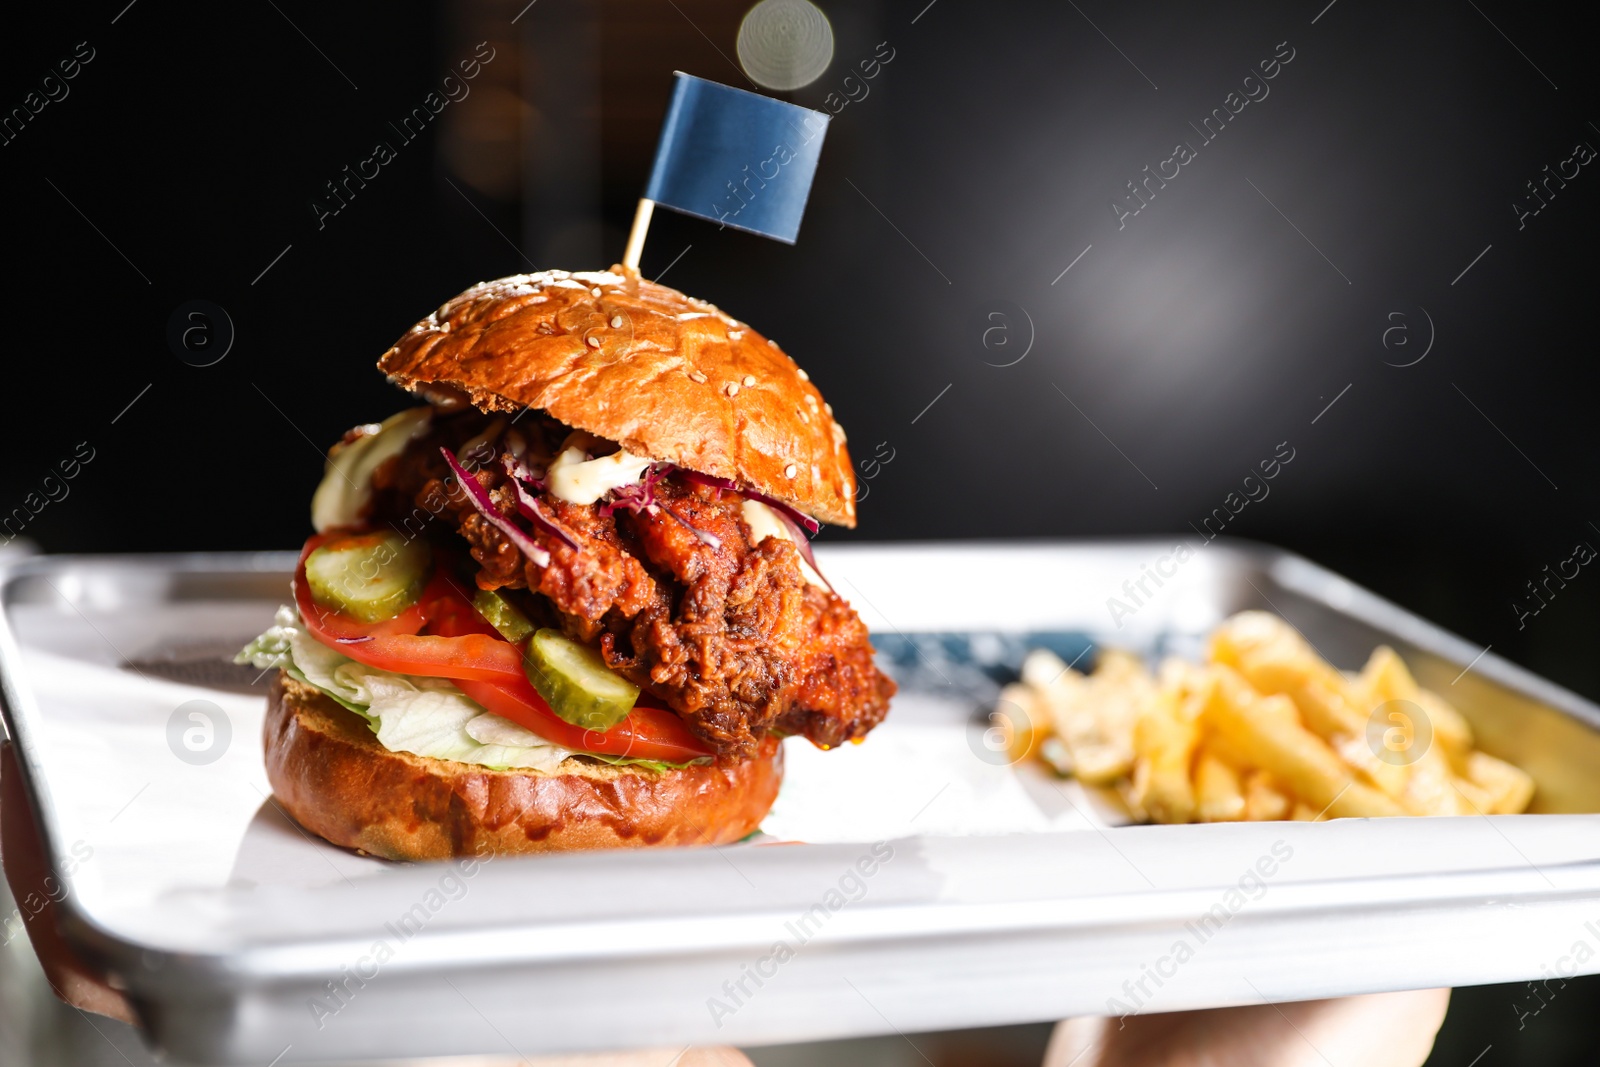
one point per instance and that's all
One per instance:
(503, 615)
(369, 577)
(576, 682)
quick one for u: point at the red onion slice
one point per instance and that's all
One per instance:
(805, 521)
(491, 514)
(528, 507)
(803, 543)
(798, 525)
(519, 471)
(638, 497)
(627, 498)
(703, 536)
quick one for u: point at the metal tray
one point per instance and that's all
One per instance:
(939, 887)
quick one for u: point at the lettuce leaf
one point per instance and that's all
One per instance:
(657, 765)
(424, 716)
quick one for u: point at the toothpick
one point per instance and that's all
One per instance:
(641, 224)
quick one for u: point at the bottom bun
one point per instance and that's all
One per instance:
(330, 773)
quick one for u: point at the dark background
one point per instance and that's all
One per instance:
(984, 159)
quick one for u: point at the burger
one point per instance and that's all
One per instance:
(568, 602)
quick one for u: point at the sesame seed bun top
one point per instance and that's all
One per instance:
(662, 374)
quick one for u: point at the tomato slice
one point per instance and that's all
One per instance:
(647, 733)
(395, 645)
(461, 646)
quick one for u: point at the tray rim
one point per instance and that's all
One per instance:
(116, 953)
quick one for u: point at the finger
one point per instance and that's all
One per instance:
(1077, 1042)
(1377, 1030)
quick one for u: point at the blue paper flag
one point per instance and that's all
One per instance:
(736, 158)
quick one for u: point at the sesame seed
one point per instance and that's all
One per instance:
(734, 335)
(733, 388)
(812, 401)
(594, 342)
(790, 471)
(804, 377)
(749, 380)
(697, 376)
(828, 408)
(595, 291)
(616, 322)
(771, 342)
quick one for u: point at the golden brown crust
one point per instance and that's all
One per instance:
(331, 774)
(675, 379)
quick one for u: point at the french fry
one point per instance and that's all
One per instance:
(1252, 640)
(1023, 718)
(1056, 754)
(1479, 801)
(1450, 730)
(1120, 664)
(1254, 633)
(1218, 795)
(1265, 730)
(1048, 682)
(1101, 764)
(1125, 792)
(1386, 678)
(1430, 778)
(1273, 658)
(1165, 741)
(1229, 686)
(1041, 667)
(1319, 695)
(1509, 787)
(1182, 676)
(1094, 716)
(1271, 739)
(1430, 789)
(1263, 800)
(1356, 750)
(1226, 751)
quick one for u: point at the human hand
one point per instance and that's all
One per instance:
(1378, 1030)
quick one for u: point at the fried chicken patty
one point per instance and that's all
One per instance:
(678, 599)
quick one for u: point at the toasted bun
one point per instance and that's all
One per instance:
(331, 774)
(662, 374)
